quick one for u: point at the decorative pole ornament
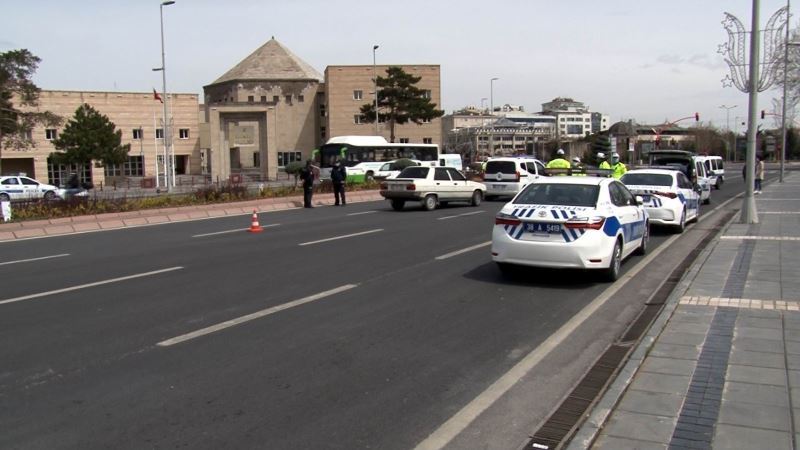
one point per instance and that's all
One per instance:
(745, 76)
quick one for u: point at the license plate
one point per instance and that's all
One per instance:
(396, 187)
(499, 187)
(543, 227)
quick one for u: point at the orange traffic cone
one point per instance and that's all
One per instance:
(254, 226)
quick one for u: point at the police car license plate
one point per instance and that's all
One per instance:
(543, 227)
(499, 187)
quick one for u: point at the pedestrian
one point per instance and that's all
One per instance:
(759, 174)
(338, 178)
(307, 175)
(617, 167)
(559, 163)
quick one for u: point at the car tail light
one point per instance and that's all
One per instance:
(518, 177)
(411, 187)
(586, 223)
(666, 194)
(384, 186)
(506, 219)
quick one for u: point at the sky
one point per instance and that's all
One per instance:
(652, 61)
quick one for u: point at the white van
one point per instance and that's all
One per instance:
(451, 160)
(506, 176)
(716, 169)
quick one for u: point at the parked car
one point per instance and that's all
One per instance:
(689, 164)
(668, 196)
(390, 170)
(24, 188)
(432, 187)
(715, 167)
(571, 222)
(506, 176)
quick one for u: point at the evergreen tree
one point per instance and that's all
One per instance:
(89, 136)
(400, 101)
(17, 91)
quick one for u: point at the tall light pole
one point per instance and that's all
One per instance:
(167, 142)
(483, 103)
(375, 81)
(491, 94)
(728, 124)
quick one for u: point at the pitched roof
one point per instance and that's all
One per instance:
(271, 61)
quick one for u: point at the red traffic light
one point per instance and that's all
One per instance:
(697, 117)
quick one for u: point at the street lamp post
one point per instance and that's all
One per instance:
(491, 95)
(166, 135)
(375, 81)
(728, 124)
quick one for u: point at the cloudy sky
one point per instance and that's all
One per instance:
(647, 60)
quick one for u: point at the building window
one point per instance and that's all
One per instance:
(275, 99)
(159, 133)
(250, 99)
(426, 94)
(287, 157)
(138, 133)
(183, 133)
(300, 99)
(27, 135)
(133, 167)
(322, 110)
(404, 140)
(358, 95)
(426, 120)
(50, 134)
(263, 99)
(256, 159)
(288, 99)
(323, 132)
(358, 118)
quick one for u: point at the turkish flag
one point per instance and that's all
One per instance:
(156, 96)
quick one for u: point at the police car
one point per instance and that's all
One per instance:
(584, 222)
(668, 195)
(24, 188)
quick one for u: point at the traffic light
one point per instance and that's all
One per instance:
(762, 113)
(697, 117)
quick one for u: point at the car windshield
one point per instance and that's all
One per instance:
(414, 172)
(501, 166)
(559, 194)
(647, 179)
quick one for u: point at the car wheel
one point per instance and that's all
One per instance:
(5, 198)
(612, 273)
(682, 224)
(49, 195)
(429, 203)
(476, 198)
(707, 201)
(397, 205)
(697, 215)
(719, 184)
(642, 250)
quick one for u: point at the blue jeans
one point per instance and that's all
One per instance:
(758, 184)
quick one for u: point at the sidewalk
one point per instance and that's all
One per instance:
(65, 225)
(720, 367)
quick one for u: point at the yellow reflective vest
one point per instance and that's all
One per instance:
(619, 170)
(604, 165)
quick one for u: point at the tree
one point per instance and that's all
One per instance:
(16, 69)
(89, 136)
(400, 101)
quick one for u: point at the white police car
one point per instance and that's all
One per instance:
(571, 222)
(24, 188)
(668, 196)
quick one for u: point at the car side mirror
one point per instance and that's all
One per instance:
(639, 200)
(697, 188)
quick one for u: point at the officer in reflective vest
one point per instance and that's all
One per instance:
(603, 163)
(577, 167)
(617, 166)
(559, 162)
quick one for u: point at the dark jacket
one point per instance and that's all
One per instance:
(307, 175)
(338, 174)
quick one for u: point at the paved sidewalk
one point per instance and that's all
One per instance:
(720, 368)
(66, 225)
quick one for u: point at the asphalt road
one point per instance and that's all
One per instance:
(341, 328)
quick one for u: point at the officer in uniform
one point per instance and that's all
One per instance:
(338, 177)
(307, 175)
(617, 166)
(603, 163)
(559, 162)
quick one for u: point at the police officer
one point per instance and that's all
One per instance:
(603, 162)
(577, 167)
(307, 175)
(559, 162)
(338, 178)
(617, 166)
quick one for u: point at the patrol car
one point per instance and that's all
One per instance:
(668, 195)
(571, 222)
(24, 188)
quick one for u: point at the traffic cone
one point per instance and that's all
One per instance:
(254, 226)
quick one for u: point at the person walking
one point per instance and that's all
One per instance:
(338, 178)
(559, 163)
(307, 175)
(759, 174)
(617, 167)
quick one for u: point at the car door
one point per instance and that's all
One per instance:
(31, 187)
(688, 195)
(629, 214)
(461, 188)
(443, 185)
(14, 188)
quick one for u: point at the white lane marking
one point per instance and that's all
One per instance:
(459, 422)
(780, 212)
(361, 213)
(253, 316)
(88, 285)
(464, 250)
(233, 231)
(762, 199)
(761, 238)
(341, 237)
(33, 259)
(460, 215)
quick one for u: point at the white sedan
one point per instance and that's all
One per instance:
(668, 196)
(431, 186)
(571, 222)
(24, 188)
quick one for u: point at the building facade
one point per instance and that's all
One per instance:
(139, 117)
(574, 118)
(347, 88)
